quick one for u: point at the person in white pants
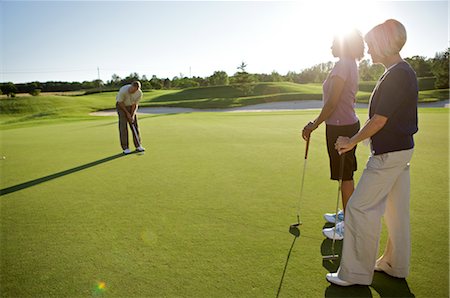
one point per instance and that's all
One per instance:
(384, 187)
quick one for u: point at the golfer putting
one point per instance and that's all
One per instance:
(127, 101)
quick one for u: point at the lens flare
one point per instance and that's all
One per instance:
(100, 288)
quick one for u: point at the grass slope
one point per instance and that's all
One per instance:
(204, 213)
(28, 110)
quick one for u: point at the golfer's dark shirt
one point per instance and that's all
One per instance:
(395, 96)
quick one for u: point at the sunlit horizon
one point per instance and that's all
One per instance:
(81, 41)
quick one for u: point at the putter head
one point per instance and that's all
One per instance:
(296, 225)
(330, 258)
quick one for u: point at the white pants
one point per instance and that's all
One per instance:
(384, 188)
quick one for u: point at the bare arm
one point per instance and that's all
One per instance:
(337, 85)
(377, 122)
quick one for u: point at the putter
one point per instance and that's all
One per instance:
(133, 128)
(298, 223)
(333, 255)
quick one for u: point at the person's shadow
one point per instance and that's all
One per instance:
(384, 284)
(37, 181)
(388, 286)
(332, 266)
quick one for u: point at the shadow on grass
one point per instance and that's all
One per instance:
(388, 286)
(353, 291)
(333, 265)
(384, 284)
(34, 182)
(326, 250)
(296, 233)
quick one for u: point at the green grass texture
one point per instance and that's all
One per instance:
(205, 212)
(27, 110)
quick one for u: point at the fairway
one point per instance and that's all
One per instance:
(205, 212)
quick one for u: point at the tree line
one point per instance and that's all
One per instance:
(437, 67)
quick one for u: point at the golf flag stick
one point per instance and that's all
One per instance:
(303, 182)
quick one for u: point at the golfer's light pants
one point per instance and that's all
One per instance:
(384, 188)
(123, 128)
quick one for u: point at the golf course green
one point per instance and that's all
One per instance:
(205, 212)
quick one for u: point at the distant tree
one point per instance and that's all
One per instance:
(421, 65)
(115, 80)
(167, 83)
(292, 76)
(98, 83)
(242, 67)
(134, 76)
(89, 84)
(219, 78)
(201, 81)
(314, 74)
(307, 76)
(146, 85)
(156, 83)
(29, 88)
(243, 80)
(440, 69)
(183, 83)
(369, 71)
(35, 92)
(276, 77)
(9, 89)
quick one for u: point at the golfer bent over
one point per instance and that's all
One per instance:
(127, 105)
(384, 186)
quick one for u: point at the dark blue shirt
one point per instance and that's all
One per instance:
(395, 96)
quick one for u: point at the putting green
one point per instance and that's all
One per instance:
(204, 212)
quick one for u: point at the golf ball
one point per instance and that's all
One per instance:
(3, 157)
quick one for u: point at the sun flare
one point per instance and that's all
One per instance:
(319, 22)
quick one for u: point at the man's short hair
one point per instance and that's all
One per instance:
(387, 39)
(136, 84)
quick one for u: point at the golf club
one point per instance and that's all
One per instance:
(296, 225)
(334, 256)
(136, 135)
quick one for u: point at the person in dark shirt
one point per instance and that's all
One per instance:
(384, 187)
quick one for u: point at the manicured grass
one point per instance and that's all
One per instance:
(203, 213)
(26, 110)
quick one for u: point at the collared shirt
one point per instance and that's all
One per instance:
(128, 98)
(395, 97)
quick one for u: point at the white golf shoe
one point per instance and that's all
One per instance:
(334, 279)
(331, 217)
(338, 235)
(140, 149)
(126, 151)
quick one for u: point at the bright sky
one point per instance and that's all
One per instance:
(67, 41)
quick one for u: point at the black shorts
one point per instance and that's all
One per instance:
(332, 133)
